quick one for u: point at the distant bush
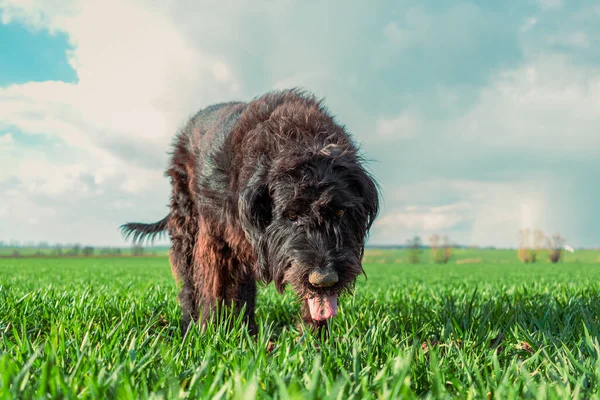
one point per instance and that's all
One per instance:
(530, 244)
(58, 250)
(555, 246)
(443, 256)
(414, 250)
(137, 250)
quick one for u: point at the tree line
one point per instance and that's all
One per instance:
(533, 242)
(17, 249)
(441, 249)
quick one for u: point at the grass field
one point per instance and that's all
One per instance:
(490, 326)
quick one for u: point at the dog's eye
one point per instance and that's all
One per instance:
(339, 213)
(292, 217)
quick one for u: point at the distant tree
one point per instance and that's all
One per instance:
(530, 244)
(2, 244)
(447, 250)
(43, 245)
(414, 249)
(523, 252)
(117, 251)
(137, 250)
(16, 252)
(443, 256)
(58, 250)
(76, 249)
(555, 245)
(538, 243)
(88, 251)
(434, 241)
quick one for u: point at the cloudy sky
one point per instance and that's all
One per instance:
(480, 118)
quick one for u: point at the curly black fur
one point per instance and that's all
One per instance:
(269, 190)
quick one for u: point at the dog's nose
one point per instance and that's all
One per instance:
(321, 279)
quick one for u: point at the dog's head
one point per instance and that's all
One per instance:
(307, 214)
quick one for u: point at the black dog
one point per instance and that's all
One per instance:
(270, 190)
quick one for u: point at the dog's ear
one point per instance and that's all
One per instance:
(255, 204)
(366, 188)
(255, 212)
(370, 194)
(362, 183)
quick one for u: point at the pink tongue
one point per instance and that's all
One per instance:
(322, 307)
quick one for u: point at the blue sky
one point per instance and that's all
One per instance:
(33, 56)
(480, 118)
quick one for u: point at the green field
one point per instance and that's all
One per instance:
(482, 325)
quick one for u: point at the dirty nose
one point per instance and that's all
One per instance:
(322, 279)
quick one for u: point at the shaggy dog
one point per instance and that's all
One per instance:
(269, 190)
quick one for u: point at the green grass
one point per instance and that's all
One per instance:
(109, 327)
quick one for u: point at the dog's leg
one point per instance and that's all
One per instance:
(189, 311)
(223, 282)
(220, 280)
(245, 295)
(183, 228)
(187, 296)
(181, 255)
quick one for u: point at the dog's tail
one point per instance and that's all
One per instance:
(141, 232)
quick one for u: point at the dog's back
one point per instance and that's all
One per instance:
(205, 130)
(202, 159)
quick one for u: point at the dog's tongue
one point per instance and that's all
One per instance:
(322, 308)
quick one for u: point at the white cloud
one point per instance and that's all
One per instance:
(529, 23)
(418, 28)
(499, 218)
(16, 205)
(6, 139)
(550, 4)
(304, 79)
(47, 194)
(574, 39)
(491, 213)
(404, 126)
(143, 67)
(548, 104)
(139, 79)
(134, 86)
(424, 219)
(546, 108)
(394, 34)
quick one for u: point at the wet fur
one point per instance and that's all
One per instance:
(236, 170)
